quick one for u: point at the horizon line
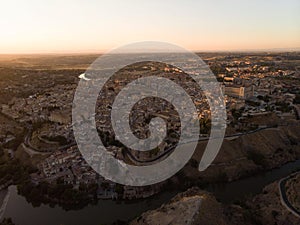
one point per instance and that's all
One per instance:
(296, 49)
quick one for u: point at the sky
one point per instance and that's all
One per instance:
(86, 26)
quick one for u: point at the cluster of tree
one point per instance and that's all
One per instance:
(297, 99)
(205, 125)
(283, 106)
(109, 139)
(236, 113)
(13, 170)
(265, 98)
(256, 157)
(217, 69)
(63, 194)
(7, 221)
(252, 103)
(119, 189)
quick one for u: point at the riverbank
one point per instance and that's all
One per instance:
(267, 207)
(104, 212)
(101, 213)
(196, 206)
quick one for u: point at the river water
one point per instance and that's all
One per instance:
(108, 211)
(236, 190)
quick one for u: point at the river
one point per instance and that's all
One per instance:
(108, 211)
(236, 190)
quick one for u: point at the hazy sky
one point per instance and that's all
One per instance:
(41, 26)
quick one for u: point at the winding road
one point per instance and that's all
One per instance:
(32, 150)
(169, 150)
(283, 196)
(28, 146)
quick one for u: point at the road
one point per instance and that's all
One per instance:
(34, 150)
(283, 197)
(166, 152)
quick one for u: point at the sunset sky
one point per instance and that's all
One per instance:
(83, 26)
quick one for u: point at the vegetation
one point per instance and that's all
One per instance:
(297, 99)
(13, 171)
(222, 177)
(256, 157)
(7, 221)
(205, 125)
(283, 106)
(154, 151)
(236, 114)
(119, 189)
(194, 163)
(265, 98)
(252, 103)
(60, 139)
(58, 192)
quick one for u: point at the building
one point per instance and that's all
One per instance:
(238, 88)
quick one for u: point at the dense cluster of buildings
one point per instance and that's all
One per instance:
(255, 90)
(249, 89)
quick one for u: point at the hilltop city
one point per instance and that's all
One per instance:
(262, 98)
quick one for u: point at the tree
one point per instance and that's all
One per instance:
(7, 221)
